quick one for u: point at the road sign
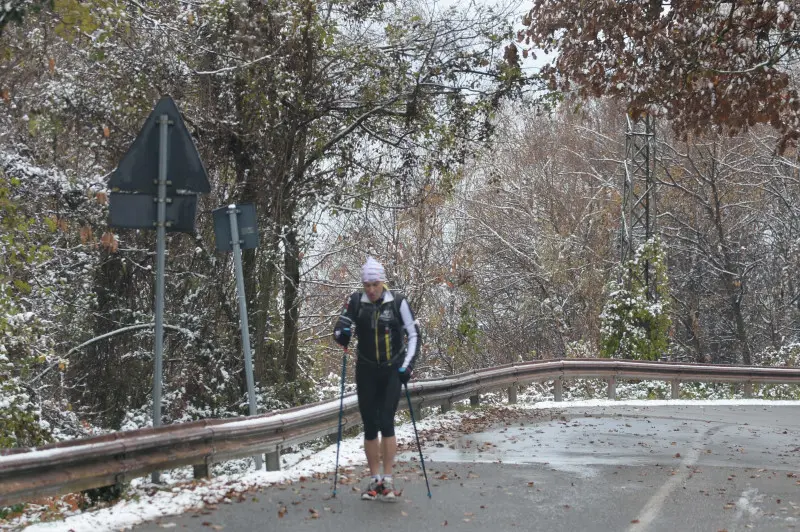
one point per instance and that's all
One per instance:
(235, 228)
(138, 170)
(246, 224)
(139, 211)
(162, 157)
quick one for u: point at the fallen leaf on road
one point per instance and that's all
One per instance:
(634, 520)
(729, 506)
(445, 523)
(282, 511)
(404, 513)
(469, 514)
(677, 455)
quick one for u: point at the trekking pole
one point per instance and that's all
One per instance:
(341, 411)
(414, 423)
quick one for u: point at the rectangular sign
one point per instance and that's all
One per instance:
(248, 227)
(138, 211)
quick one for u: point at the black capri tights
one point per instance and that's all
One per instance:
(378, 390)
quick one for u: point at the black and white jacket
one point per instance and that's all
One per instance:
(382, 328)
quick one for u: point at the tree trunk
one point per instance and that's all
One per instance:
(291, 284)
(731, 277)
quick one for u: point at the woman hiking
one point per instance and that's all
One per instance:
(388, 343)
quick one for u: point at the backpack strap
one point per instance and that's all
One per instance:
(398, 299)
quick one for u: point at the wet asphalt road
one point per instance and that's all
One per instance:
(621, 468)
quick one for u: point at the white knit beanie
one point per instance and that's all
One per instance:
(372, 270)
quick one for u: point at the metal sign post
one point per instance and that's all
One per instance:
(161, 237)
(235, 229)
(248, 359)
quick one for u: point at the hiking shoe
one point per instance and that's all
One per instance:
(373, 489)
(387, 491)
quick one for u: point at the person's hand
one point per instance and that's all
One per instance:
(342, 336)
(342, 332)
(405, 375)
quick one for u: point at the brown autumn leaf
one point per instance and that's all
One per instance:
(677, 455)
(282, 511)
(445, 523)
(634, 521)
(85, 234)
(109, 242)
(729, 505)
(6, 96)
(101, 198)
(314, 513)
(469, 514)
(52, 65)
(106, 131)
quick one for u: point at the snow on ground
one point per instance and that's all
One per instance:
(145, 502)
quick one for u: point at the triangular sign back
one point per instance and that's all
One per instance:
(138, 170)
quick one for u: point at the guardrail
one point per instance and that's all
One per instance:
(110, 459)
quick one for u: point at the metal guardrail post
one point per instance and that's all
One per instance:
(612, 388)
(475, 400)
(748, 390)
(512, 394)
(558, 390)
(446, 406)
(676, 389)
(201, 471)
(274, 460)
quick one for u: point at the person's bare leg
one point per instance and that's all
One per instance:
(372, 449)
(389, 445)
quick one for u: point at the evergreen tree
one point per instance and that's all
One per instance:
(633, 324)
